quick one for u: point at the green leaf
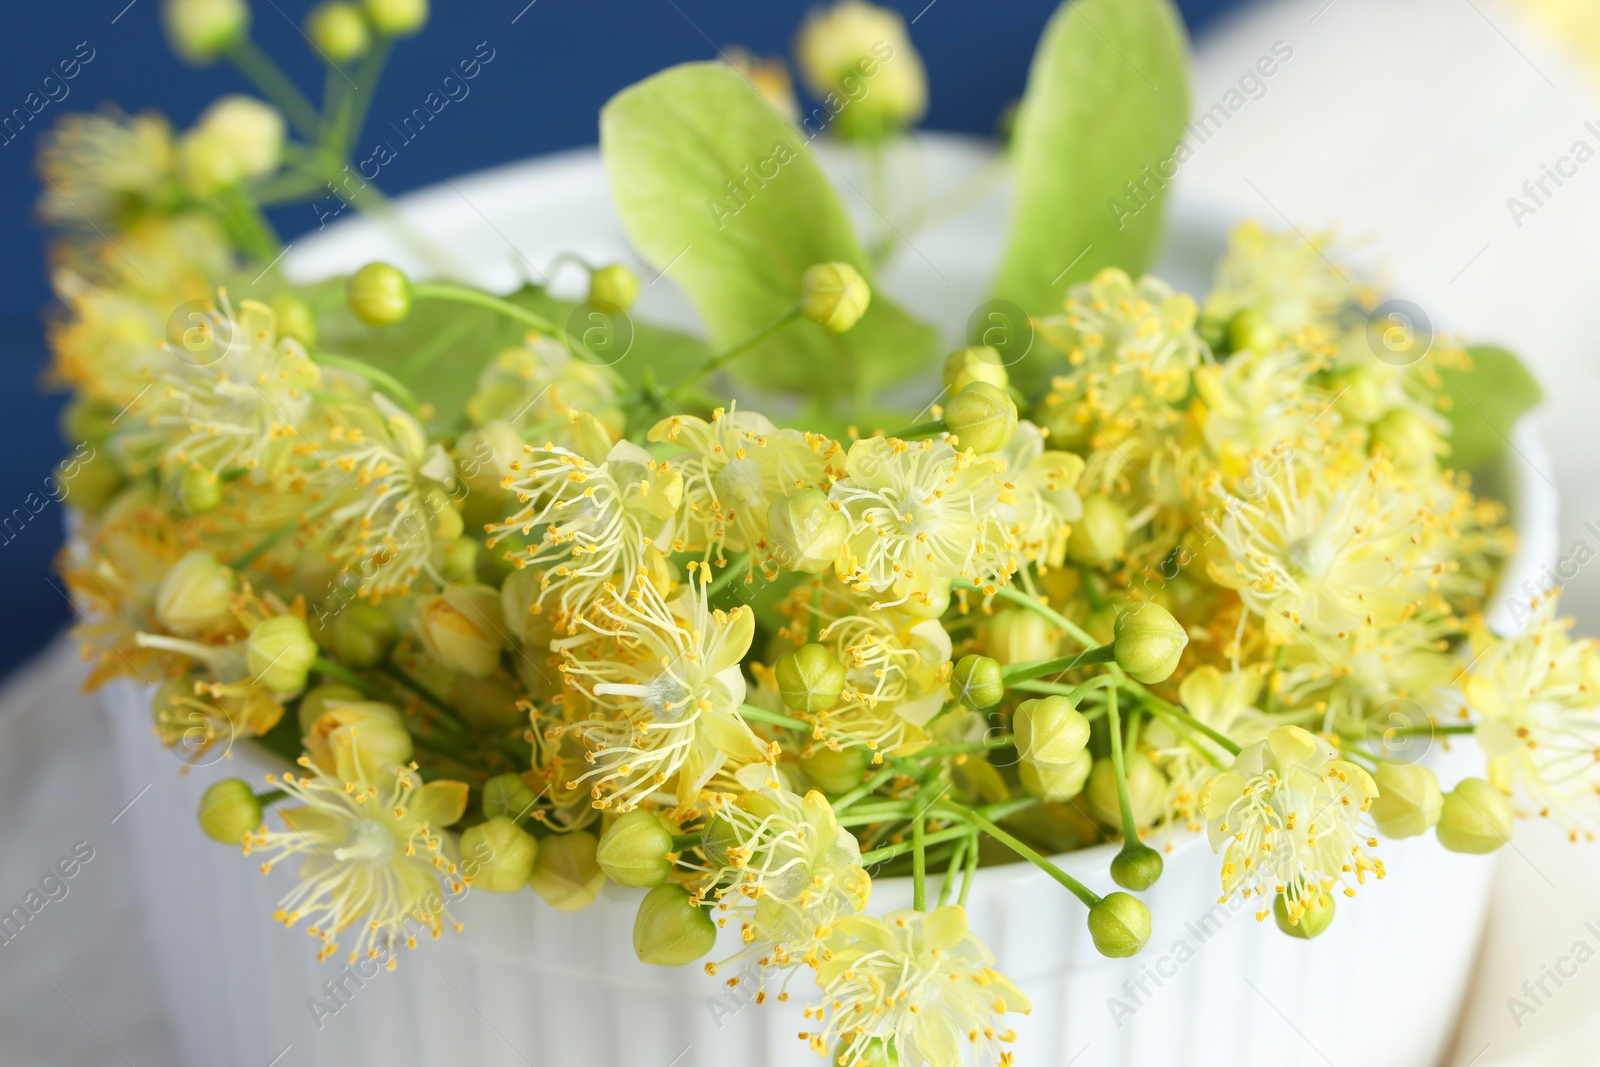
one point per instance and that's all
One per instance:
(1486, 402)
(715, 188)
(1107, 96)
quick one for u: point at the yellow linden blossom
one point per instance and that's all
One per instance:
(661, 687)
(1292, 814)
(536, 388)
(924, 981)
(1539, 695)
(1038, 499)
(372, 849)
(1258, 405)
(99, 168)
(1284, 277)
(1226, 702)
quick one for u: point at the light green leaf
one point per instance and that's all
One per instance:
(717, 189)
(1485, 403)
(1107, 96)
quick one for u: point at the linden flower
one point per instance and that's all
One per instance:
(1284, 277)
(919, 516)
(371, 848)
(1038, 499)
(538, 386)
(1539, 695)
(193, 715)
(1347, 680)
(1292, 814)
(1226, 702)
(1258, 404)
(924, 981)
(733, 468)
(99, 169)
(663, 687)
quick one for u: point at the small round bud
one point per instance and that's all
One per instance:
(279, 653)
(1017, 635)
(810, 679)
(379, 294)
(834, 295)
(873, 1052)
(338, 31)
(1049, 730)
(1120, 925)
(806, 532)
(718, 839)
(1309, 923)
(295, 318)
(565, 874)
(195, 595)
(1409, 801)
(201, 30)
(982, 417)
(1136, 867)
(362, 635)
(1475, 818)
(1410, 440)
(88, 421)
(634, 851)
(397, 18)
(317, 699)
(196, 491)
(229, 811)
(1100, 535)
(978, 364)
(1250, 330)
(1358, 394)
(835, 772)
(863, 53)
(1056, 781)
(1149, 642)
(978, 682)
(670, 929)
(509, 795)
(461, 629)
(364, 738)
(457, 561)
(251, 130)
(207, 164)
(1147, 790)
(614, 286)
(90, 486)
(498, 855)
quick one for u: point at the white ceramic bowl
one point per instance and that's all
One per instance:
(525, 984)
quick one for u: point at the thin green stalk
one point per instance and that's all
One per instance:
(381, 378)
(731, 569)
(1178, 715)
(814, 623)
(957, 858)
(1017, 596)
(367, 76)
(871, 785)
(752, 713)
(722, 359)
(971, 871)
(271, 796)
(1022, 672)
(275, 85)
(1077, 888)
(919, 863)
(1130, 829)
(1429, 731)
(462, 294)
(889, 852)
(921, 430)
(323, 665)
(988, 744)
(264, 545)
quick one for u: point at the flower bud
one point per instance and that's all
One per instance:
(982, 417)
(196, 491)
(316, 700)
(509, 795)
(875, 1052)
(1358, 394)
(252, 131)
(201, 30)
(862, 52)
(1119, 924)
(229, 811)
(634, 850)
(89, 486)
(810, 679)
(397, 18)
(1409, 439)
(670, 929)
(835, 772)
(614, 286)
(195, 595)
(1136, 867)
(1250, 330)
(805, 532)
(1409, 801)
(279, 653)
(1056, 781)
(207, 164)
(379, 294)
(1149, 642)
(1475, 818)
(295, 318)
(978, 683)
(1147, 790)
(834, 295)
(1017, 635)
(456, 561)
(362, 635)
(338, 31)
(461, 629)
(565, 873)
(718, 838)
(1101, 535)
(1049, 730)
(1309, 923)
(498, 855)
(978, 364)
(359, 739)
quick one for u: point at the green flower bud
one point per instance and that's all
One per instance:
(1017, 635)
(1358, 394)
(806, 532)
(1120, 925)
(978, 364)
(1409, 439)
(1475, 818)
(1049, 730)
(509, 795)
(1147, 790)
(978, 683)
(195, 595)
(229, 811)
(1149, 642)
(195, 492)
(397, 18)
(565, 873)
(279, 653)
(835, 772)
(498, 855)
(670, 929)
(207, 164)
(810, 679)
(250, 130)
(874, 1052)
(295, 318)
(982, 417)
(362, 635)
(457, 561)
(634, 850)
(338, 31)
(1136, 867)
(834, 295)
(1250, 330)
(1315, 919)
(614, 286)
(462, 629)
(317, 700)
(89, 485)
(379, 294)
(201, 30)
(1056, 781)
(718, 838)
(88, 421)
(1100, 536)
(1409, 801)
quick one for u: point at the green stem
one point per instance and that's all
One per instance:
(972, 869)
(271, 796)
(265, 544)
(889, 852)
(814, 624)
(866, 788)
(1017, 596)
(957, 858)
(1178, 715)
(988, 744)
(1022, 672)
(722, 359)
(383, 379)
(323, 665)
(462, 294)
(368, 74)
(1077, 888)
(731, 569)
(275, 85)
(921, 430)
(1428, 731)
(754, 714)
(919, 864)
(1130, 830)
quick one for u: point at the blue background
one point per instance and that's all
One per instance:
(553, 69)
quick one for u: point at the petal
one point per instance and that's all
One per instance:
(439, 803)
